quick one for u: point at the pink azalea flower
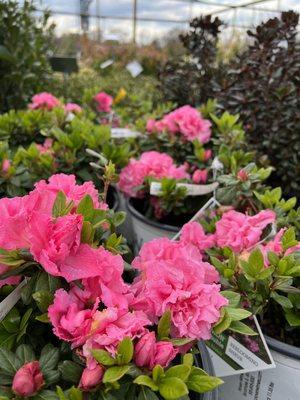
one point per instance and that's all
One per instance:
(207, 155)
(174, 277)
(55, 244)
(189, 122)
(200, 176)
(150, 126)
(193, 233)
(71, 321)
(45, 147)
(104, 102)
(112, 325)
(45, 101)
(148, 352)
(44, 194)
(240, 231)
(151, 163)
(73, 108)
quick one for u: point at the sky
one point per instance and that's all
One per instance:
(175, 10)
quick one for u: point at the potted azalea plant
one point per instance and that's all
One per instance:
(161, 195)
(263, 267)
(77, 326)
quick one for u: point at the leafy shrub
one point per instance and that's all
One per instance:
(193, 79)
(264, 88)
(25, 42)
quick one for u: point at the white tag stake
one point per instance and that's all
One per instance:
(123, 133)
(9, 302)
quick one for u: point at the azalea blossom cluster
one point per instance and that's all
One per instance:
(103, 102)
(186, 121)
(27, 223)
(151, 164)
(46, 101)
(98, 309)
(172, 277)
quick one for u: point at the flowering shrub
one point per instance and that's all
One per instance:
(180, 133)
(117, 337)
(44, 101)
(136, 178)
(103, 102)
(261, 267)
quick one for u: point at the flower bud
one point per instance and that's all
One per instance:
(28, 380)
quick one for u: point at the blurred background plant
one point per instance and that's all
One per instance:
(25, 43)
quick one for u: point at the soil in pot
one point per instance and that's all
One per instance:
(275, 325)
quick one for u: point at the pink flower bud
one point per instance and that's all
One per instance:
(150, 125)
(28, 380)
(144, 350)
(200, 176)
(91, 377)
(164, 354)
(207, 155)
(5, 165)
(242, 175)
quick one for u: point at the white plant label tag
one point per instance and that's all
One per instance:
(234, 353)
(123, 133)
(192, 190)
(106, 63)
(9, 302)
(134, 68)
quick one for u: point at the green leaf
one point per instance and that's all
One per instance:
(172, 388)
(266, 273)
(113, 374)
(25, 353)
(51, 376)
(43, 299)
(86, 208)
(188, 359)
(164, 325)
(9, 363)
(43, 318)
(103, 357)
(59, 204)
(45, 395)
(240, 327)
(289, 239)
(273, 258)
(236, 314)
(49, 357)
(70, 371)
(87, 233)
(217, 263)
(158, 373)
(256, 261)
(145, 380)
(222, 324)
(203, 384)
(179, 371)
(292, 318)
(146, 394)
(25, 318)
(125, 351)
(12, 321)
(233, 298)
(119, 218)
(180, 342)
(284, 301)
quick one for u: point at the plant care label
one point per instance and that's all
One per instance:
(8, 303)
(235, 353)
(123, 133)
(134, 68)
(192, 190)
(106, 63)
(281, 383)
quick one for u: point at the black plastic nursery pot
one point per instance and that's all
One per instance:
(145, 229)
(112, 198)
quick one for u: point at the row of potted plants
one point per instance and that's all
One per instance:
(246, 240)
